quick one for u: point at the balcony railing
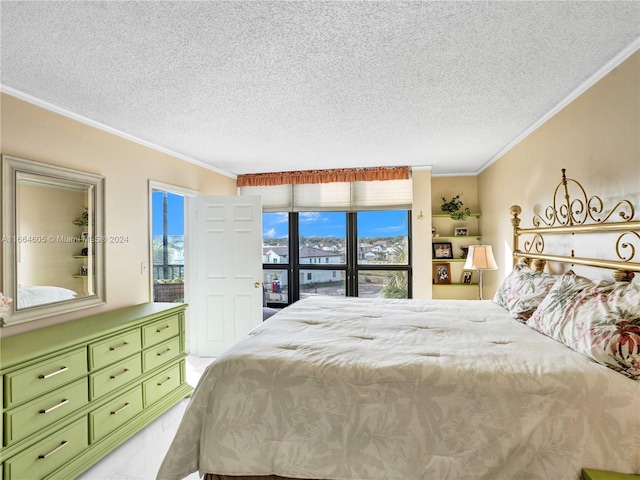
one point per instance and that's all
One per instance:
(168, 272)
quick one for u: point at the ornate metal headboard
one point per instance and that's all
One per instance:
(581, 215)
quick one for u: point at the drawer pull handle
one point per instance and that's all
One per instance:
(164, 381)
(57, 449)
(118, 347)
(164, 353)
(51, 409)
(49, 375)
(113, 377)
(115, 412)
(162, 328)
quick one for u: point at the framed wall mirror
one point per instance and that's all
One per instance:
(52, 239)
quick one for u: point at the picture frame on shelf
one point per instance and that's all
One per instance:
(441, 273)
(466, 278)
(461, 232)
(442, 250)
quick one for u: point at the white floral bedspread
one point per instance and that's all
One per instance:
(405, 389)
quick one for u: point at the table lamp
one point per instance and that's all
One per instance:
(480, 258)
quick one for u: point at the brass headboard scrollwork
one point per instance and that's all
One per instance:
(578, 215)
(578, 211)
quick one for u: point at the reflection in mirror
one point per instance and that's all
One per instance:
(58, 264)
(52, 239)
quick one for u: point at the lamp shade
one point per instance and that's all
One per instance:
(480, 257)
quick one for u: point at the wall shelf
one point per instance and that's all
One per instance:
(445, 228)
(457, 237)
(446, 215)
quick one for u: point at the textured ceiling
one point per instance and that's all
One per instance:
(257, 86)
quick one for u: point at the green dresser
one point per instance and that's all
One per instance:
(73, 392)
(588, 474)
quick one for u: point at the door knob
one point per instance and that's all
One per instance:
(257, 285)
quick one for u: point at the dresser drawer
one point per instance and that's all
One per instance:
(114, 349)
(45, 410)
(160, 331)
(158, 386)
(1, 401)
(114, 414)
(44, 457)
(35, 380)
(113, 376)
(162, 353)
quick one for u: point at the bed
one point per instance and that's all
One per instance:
(538, 383)
(34, 295)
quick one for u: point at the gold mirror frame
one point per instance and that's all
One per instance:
(13, 169)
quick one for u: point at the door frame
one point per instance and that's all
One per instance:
(188, 194)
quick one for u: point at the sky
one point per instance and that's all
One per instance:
(387, 223)
(333, 224)
(175, 214)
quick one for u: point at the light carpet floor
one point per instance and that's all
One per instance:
(139, 458)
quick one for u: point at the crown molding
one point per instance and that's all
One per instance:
(106, 128)
(586, 85)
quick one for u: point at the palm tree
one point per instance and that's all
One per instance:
(397, 282)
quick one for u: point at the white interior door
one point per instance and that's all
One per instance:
(226, 299)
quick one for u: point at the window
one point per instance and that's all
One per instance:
(168, 247)
(382, 237)
(322, 237)
(328, 283)
(383, 254)
(275, 237)
(362, 254)
(382, 283)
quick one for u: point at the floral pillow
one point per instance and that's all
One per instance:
(600, 321)
(550, 317)
(522, 291)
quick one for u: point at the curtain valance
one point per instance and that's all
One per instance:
(323, 176)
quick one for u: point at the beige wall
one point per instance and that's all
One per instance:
(421, 233)
(33, 133)
(596, 138)
(449, 187)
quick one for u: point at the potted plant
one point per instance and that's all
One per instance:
(454, 208)
(83, 219)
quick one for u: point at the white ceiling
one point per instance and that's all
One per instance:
(260, 86)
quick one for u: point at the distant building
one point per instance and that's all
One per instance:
(317, 256)
(275, 254)
(363, 250)
(313, 255)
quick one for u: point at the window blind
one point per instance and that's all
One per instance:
(342, 196)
